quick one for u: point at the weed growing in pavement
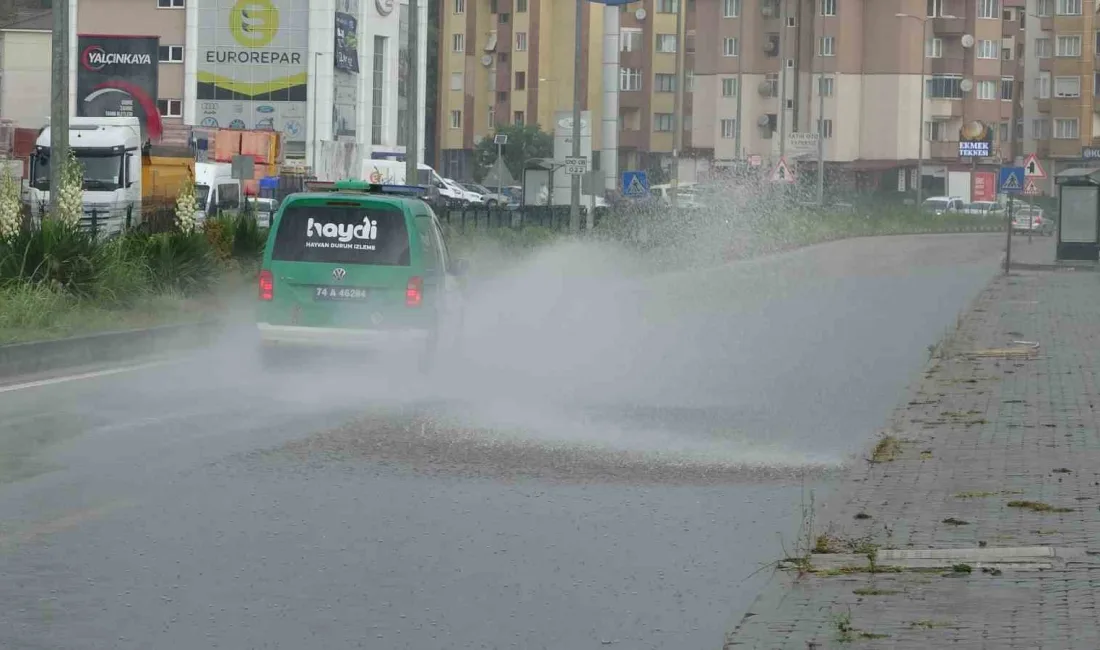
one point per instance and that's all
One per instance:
(1037, 506)
(886, 450)
(874, 591)
(842, 622)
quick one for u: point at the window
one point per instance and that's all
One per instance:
(1096, 44)
(521, 41)
(1068, 8)
(664, 83)
(988, 9)
(1044, 8)
(668, 6)
(630, 79)
(456, 119)
(378, 90)
(935, 8)
(825, 86)
(729, 87)
(170, 107)
(729, 129)
(1069, 46)
(1008, 85)
(791, 21)
(769, 8)
(662, 122)
(491, 118)
(170, 54)
(301, 237)
(826, 46)
(1040, 128)
(1066, 128)
(731, 47)
(517, 118)
(731, 8)
(169, 4)
(1003, 131)
(521, 6)
(987, 89)
(666, 43)
(521, 81)
(460, 6)
(944, 87)
(1042, 86)
(1067, 87)
(937, 131)
(989, 49)
(828, 7)
(689, 81)
(458, 43)
(1096, 84)
(504, 18)
(630, 40)
(1044, 48)
(772, 81)
(933, 48)
(1006, 53)
(502, 96)
(457, 80)
(825, 128)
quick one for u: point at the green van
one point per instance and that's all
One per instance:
(358, 266)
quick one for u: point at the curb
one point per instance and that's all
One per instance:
(18, 359)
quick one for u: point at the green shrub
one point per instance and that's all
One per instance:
(58, 255)
(248, 238)
(219, 234)
(176, 261)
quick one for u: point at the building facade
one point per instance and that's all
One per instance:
(25, 70)
(316, 70)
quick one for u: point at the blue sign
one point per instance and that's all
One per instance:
(635, 184)
(613, 3)
(1012, 180)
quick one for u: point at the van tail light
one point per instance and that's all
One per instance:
(414, 292)
(267, 285)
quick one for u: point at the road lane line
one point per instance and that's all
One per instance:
(77, 377)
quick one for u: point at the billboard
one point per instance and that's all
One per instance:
(563, 148)
(253, 64)
(345, 76)
(975, 140)
(116, 76)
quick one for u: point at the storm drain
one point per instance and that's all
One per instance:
(1019, 558)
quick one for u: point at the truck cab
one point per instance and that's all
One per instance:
(216, 190)
(110, 150)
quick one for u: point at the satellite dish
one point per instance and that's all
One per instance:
(763, 120)
(640, 14)
(966, 85)
(487, 60)
(967, 40)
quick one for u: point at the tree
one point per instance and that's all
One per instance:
(524, 142)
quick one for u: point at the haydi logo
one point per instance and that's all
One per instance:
(343, 232)
(94, 58)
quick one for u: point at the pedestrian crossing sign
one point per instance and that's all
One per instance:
(1012, 179)
(782, 172)
(635, 184)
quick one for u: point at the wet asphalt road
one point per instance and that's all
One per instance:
(614, 491)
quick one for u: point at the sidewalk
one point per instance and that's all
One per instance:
(990, 456)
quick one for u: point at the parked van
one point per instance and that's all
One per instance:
(215, 189)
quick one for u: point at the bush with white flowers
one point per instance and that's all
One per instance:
(69, 204)
(9, 202)
(186, 207)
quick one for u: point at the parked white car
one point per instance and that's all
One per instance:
(488, 196)
(464, 195)
(939, 205)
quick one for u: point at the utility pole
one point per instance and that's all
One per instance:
(59, 92)
(574, 180)
(412, 111)
(821, 122)
(678, 104)
(783, 79)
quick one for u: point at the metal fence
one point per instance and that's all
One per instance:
(483, 218)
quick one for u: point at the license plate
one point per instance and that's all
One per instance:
(339, 293)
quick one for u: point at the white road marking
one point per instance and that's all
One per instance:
(84, 375)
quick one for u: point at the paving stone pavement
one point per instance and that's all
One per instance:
(976, 434)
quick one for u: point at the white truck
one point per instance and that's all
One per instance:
(109, 149)
(392, 172)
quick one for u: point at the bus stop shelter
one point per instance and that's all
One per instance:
(1078, 214)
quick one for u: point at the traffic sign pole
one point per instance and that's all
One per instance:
(1008, 242)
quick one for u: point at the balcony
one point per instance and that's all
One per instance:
(1095, 105)
(1010, 28)
(1046, 65)
(1046, 23)
(633, 139)
(947, 65)
(945, 107)
(1065, 148)
(1042, 105)
(949, 26)
(945, 150)
(1042, 148)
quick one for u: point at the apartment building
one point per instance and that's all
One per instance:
(512, 61)
(1062, 81)
(783, 65)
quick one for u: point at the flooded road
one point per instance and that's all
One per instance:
(550, 490)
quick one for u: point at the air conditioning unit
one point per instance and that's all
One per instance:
(766, 89)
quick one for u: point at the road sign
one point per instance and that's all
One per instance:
(756, 160)
(782, 172)
(1011, 180)
(801, 142)
(1033, 167)
(1031, 189)
(500, 139)
(635, 184)
(576, 166)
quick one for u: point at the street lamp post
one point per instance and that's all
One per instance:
(575, 181)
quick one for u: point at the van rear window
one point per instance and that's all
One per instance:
(339, 234)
